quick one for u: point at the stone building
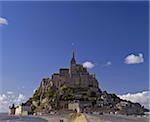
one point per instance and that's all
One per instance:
(75, 76)
(75, 106)
(23, 109)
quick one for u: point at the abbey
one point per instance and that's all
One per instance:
(75, 76)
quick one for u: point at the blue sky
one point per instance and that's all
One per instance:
(38, 38)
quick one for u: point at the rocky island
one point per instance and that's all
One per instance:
(75, 89)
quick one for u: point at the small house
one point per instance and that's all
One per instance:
(23, 110)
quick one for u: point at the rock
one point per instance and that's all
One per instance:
(36, 103)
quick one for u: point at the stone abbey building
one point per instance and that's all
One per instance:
(75, 76)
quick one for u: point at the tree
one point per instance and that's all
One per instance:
(50, 93)
(68, 93)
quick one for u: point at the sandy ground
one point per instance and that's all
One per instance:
(55, 118)
(95, 118)
(115, 118)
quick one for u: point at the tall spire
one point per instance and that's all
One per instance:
(73, 61)
(73, 54)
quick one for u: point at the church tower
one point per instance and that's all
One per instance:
(73, 61)
(73, 64)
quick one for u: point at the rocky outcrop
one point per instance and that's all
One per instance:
(47, 98)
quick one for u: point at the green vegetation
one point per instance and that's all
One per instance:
(35, 97)
(50, 93)
(67, 93)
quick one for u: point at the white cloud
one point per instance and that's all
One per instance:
(134, 59)
(141, 97)
(3, 21)
(20, 98)
(7, 100)
(9, 92)
(88, 64)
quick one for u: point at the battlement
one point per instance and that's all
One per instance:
(63, 71)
